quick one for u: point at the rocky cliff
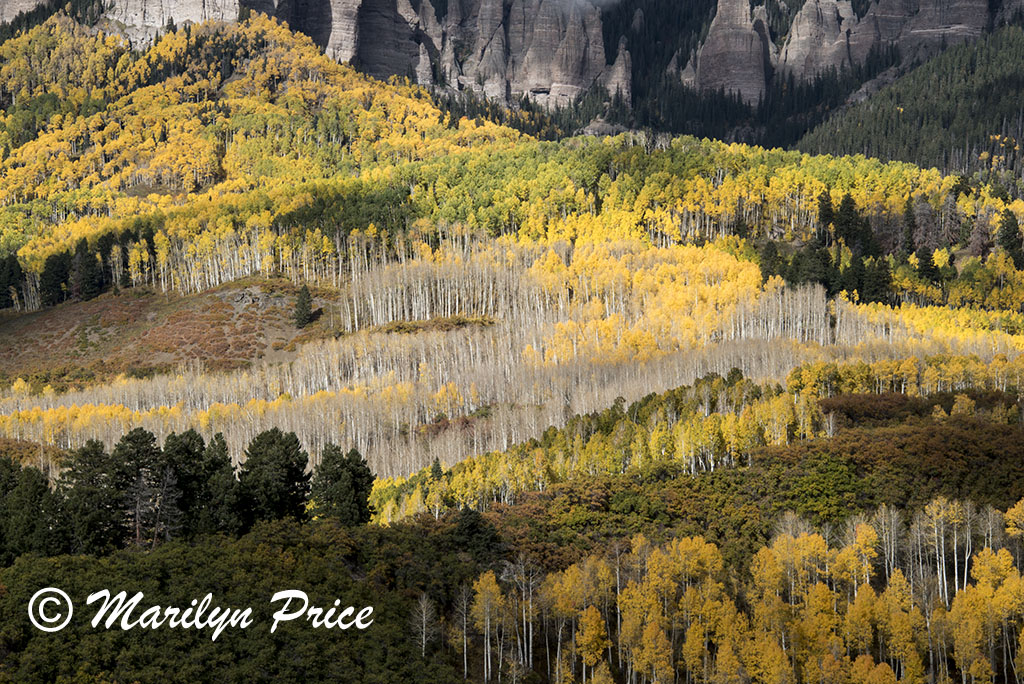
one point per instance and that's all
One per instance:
(827, 33)
(12, 8)
(741, 56)
(553, 50)
(737, 55)
(548, 50)
(140, 20)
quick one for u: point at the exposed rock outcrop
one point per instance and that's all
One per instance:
(141, 20)
(619, 80)
(740, 56)
(9, 9)
(736, 56)
(827, 33)
(554, 50)
(550, 50)
(819, 38)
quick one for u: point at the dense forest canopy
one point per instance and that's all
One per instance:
(959, 112)
(627, 409)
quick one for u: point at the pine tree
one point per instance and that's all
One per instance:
(341, 486)
(11, 277)
(826, 216)
(95, 518)
(206, 481)
(847, 220)
(150, 493)
(27, 527)
(909, 229)
(1009, 238)
(770, 261)
(303, 315)
(54, 279)
(436, 471)
(926, 265)
(219, 511)
(273, 482)
(877, 282)
(87, 276)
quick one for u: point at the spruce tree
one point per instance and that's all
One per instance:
(341, 486)
(1009, 238)
(771, 262)
(219, 509)
(54, 279)
(877, 281)
(909, 229)
(926, 265)
(94, 514)
(273, 482)
(148, 486)
(11, 277)
(87, 280)
(826, 216)
(303, 308)
(206, 482)
(847, 220)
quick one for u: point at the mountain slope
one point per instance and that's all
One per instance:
(960, 112)
(664, 59)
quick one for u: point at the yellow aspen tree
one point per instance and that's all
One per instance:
(592, 639)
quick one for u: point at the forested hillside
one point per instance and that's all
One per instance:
(627, 409)
(888, 552)
(959, 112)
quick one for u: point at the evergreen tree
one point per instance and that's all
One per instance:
(273, 482)
(87, 275)
(847, 220)
(53, 281)
(926, 265)
(94, 514)
(770, 260)
(866, 244)
(150, 491)
(104, 248)
(8, 481)
(826, 216)
(218, 510)
(29, 520)
(11, 278)
(303, 308)
(342, 485)
(1009, 238)
(909, 229)
(877, 281)
(852, 279)
(205, 480)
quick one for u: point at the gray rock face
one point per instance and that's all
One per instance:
(736, 55)
(549, 50)
(9, 9)
(556, 49)
(825, 34)
(553, 50)
(141, 20)
(818, 38)
(618, 79)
